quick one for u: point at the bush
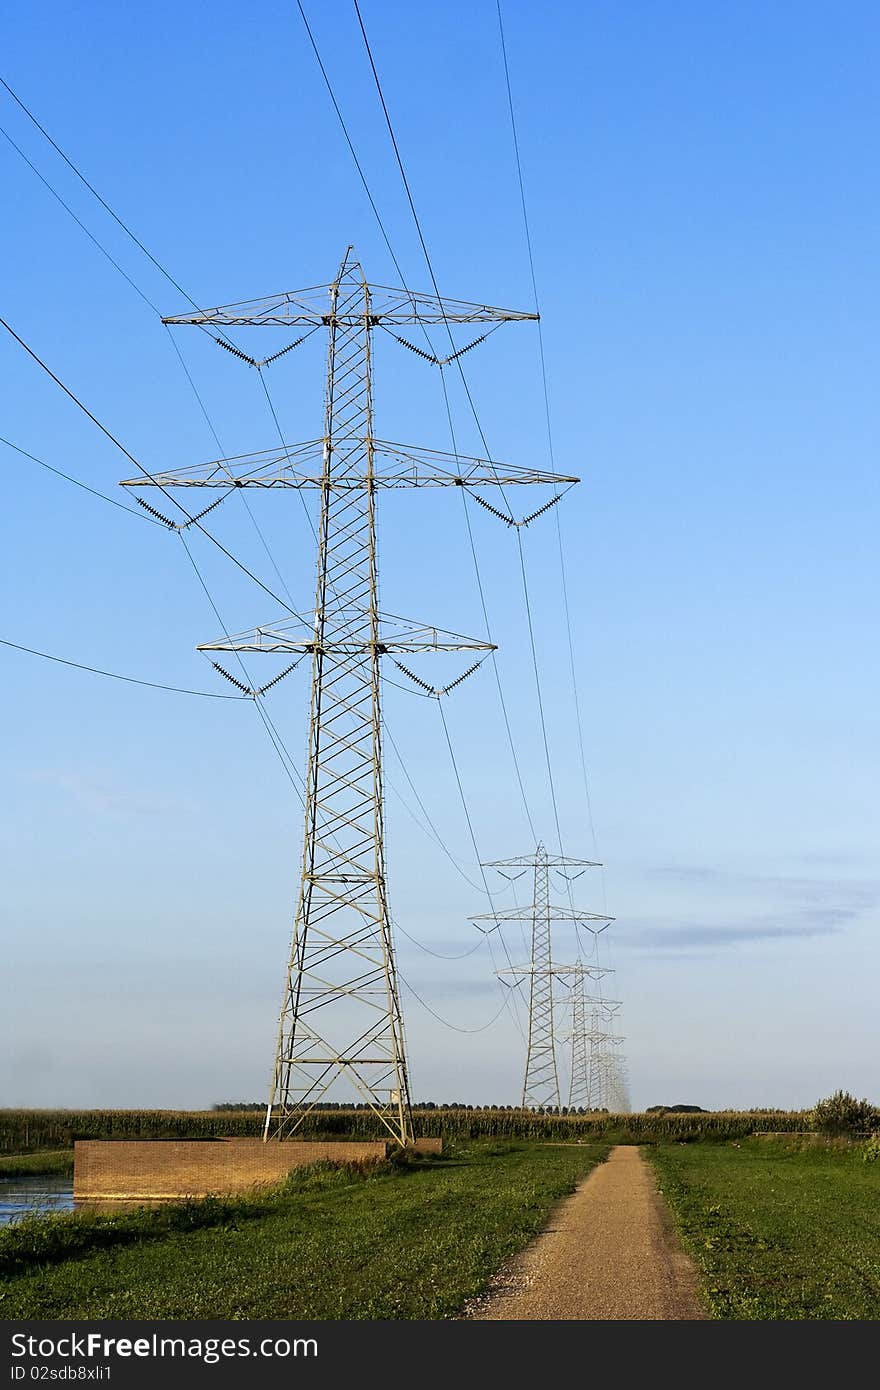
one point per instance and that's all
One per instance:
(843, 1114)
(871, 1149)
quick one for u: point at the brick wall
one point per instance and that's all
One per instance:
(428, 1146)
(193, 1168)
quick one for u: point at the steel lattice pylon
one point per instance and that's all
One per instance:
(591, 1030)
(341, 1016)
(608, 1080)
(541, 1081)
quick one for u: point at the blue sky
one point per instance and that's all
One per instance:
(704, 216)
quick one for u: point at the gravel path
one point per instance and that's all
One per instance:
(608, 1252)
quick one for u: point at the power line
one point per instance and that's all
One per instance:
(497, 673)
(528, 234)
(370, 198)
(141, 516)
(421, 235)
(274, 736)
(350, 144)
(104, 204)
(433, 831)
(467, 815)
(442, 376)
(360, 169)
(373, 205)
(551, 456)
(396, 263)
(266, 719)
(543, 721)
(68, 209)
(144, 297)
(446, 1024)
(429, 264)
(277, 742)
(550, 448)
(139, 466)
(282, 442)
(396, 150)
(438, 955)
(210, 423)
(549, 424)
(430, 267)
(115, 676)
(270, 728)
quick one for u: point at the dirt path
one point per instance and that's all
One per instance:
(609, 1251)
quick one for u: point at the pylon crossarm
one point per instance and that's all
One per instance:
(555, 914)
(435, 468)
(385, 304)
(552, 861)
(395, 635)
(394, 466)
(523, 970)
(276, 467)
(608, 1007)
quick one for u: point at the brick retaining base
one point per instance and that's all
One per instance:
(194, 1167)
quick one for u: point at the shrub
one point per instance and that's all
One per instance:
(843, 1114)
(871, 1149)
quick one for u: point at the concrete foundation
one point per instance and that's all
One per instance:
(157, 1168)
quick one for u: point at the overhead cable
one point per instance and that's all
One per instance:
(115, 675)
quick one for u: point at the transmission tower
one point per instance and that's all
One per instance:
(340, 1019)
(541, 1082)
(591, 1020)
(608, 1082)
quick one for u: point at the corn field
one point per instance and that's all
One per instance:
(24, 1131)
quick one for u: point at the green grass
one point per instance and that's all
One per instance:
(36, 1164)
(777, 1231)
(335, 1243)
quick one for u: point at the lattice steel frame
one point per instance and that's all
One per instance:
(591, 1029)
(541, 1080)
(340, 1014)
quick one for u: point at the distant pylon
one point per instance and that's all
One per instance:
(591, 1018)
(541, 1083)
(341, 1019)
(608, 1078)
(598, 1078)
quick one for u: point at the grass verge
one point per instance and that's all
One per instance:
(36, 1164)
(389, 1242)
(779, 1231)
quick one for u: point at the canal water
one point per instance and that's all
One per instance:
(26, 1196)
